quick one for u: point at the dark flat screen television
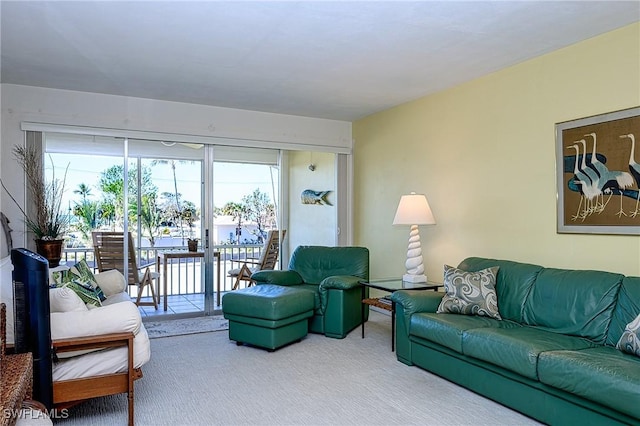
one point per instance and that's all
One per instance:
(32, 318)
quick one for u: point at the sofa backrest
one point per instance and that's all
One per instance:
(627, 308)
(315, 263)
(577, 303)
(513, 283)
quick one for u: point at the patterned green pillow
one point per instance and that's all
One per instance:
(630, 339)
(470, 293)
(80, 279)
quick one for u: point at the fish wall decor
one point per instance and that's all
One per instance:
(309, 196)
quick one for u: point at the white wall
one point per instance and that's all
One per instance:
(63, 107)
(311, 224)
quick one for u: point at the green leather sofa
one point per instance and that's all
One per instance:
(551, 357)
(332, 274)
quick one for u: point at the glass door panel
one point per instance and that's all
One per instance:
(245, 206)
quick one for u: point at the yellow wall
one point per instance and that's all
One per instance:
(484, 154)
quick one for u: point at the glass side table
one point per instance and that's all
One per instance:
(390, 285)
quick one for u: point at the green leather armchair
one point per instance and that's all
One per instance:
(332, 273)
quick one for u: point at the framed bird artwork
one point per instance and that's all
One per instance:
(598, 174)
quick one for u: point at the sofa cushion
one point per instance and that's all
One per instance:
(111, 282)
(630, 340)
(316, 295)
(577, 303)
(627, 308)
(470, 293)
(63, 299)
(85, 292)
(513, 283)
(601, 374)
(448, 329)
(517, 349)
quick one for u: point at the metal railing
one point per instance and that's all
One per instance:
(184, 276)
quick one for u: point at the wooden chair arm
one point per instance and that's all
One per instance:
(249, 260)
(111, 340)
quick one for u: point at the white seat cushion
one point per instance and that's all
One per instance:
(63, 299)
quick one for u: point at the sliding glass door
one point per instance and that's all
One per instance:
(220, 200)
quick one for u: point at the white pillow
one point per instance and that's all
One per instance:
(63, 299)
(111, 282)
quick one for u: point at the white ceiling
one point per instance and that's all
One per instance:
(336, 60)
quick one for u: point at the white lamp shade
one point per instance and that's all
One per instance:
(414, 209)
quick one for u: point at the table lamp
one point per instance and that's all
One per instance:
(414, 210)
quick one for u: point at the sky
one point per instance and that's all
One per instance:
(232, 181)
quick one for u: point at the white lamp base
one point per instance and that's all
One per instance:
(408, 278)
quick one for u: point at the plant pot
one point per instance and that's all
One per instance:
(50, 250)
(192, 245)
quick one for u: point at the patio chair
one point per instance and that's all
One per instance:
(266, 261)
(109, 252)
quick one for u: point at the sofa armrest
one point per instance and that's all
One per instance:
(277, 277)
(409, 302)
(117, 318)
(103, 341)
(414, 301)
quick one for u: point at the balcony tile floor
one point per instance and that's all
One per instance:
(176, 304)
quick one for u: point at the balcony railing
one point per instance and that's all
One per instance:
(184, 276)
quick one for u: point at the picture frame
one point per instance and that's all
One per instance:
(598, 174)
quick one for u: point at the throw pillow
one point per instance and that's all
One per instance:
(63, 299)
(80, 279)
(630, 339)
(111, 282)
(470, 293)
(81, 274)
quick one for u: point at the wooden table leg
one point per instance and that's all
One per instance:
(158, 280)
(164, 279)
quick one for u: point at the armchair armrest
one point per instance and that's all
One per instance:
(340, 282)
(277, 277)
(336, 282)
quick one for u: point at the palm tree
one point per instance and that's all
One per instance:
(86, 211)
(83, 190)
(172, 164)
(259, 209)
(150, 217)
(238, 212)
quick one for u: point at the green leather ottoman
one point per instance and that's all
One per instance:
(268, 316)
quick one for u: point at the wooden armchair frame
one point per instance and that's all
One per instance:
(67, 393)
(109, 251)
(267, 260)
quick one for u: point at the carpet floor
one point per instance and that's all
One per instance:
(205, 379)
(180, 327)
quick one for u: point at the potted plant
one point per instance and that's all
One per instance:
(192, 244)
(48, 222)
